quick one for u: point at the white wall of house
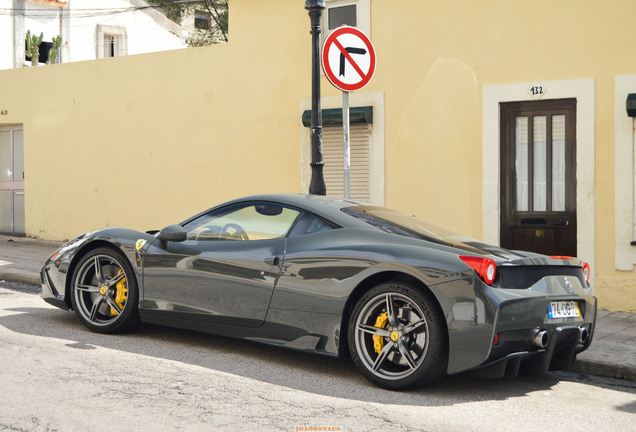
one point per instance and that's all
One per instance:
(142, 32)
(42, 18)
(90, 29)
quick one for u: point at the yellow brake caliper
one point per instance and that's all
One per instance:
(122, 294)
(378, 341)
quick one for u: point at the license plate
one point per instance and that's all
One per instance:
(564, 309)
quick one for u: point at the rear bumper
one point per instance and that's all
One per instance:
(560, 354)
(516, 346)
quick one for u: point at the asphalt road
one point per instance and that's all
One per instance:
(57, 376)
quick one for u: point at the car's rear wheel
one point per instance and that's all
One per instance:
(397, 337)
(104, 292)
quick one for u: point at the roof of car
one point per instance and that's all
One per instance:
(325, 206)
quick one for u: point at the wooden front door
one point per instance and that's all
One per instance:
(538, 183)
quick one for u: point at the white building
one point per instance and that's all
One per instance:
(90, 29)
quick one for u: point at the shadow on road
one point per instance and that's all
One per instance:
(295, 370)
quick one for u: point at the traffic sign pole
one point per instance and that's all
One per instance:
(348, 59)
(347, 157)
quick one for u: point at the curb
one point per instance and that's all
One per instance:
(31, 241)
(607, 370)
(20, 277)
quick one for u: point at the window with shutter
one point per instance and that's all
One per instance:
(366, 146)
(332, 147)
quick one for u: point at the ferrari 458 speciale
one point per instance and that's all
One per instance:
(408, 301)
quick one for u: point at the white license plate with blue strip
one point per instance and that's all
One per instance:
(564, 309)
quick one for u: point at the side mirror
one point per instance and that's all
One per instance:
(173, 233)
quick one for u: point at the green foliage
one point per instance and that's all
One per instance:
(33, 46)
(57, 43)
(218, 10)
(202, 38)
(172, 11)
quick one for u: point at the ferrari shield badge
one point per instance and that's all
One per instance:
(140, 243)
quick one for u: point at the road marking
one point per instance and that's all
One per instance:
(3, 263)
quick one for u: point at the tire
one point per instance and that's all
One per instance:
(397, 337)
(104, 292)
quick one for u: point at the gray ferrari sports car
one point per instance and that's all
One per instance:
(409, 301)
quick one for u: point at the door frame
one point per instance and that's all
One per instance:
(624, 141)
(583, 91)
(14, 128)
(512, 219)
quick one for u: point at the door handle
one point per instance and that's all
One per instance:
(273, 261)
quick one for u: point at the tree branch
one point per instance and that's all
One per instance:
(215, 15)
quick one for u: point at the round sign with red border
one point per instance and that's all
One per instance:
(348, 58)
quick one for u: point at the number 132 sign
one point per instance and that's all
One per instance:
(348, 58)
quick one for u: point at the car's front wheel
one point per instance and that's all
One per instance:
(397, 337)
(104, 292)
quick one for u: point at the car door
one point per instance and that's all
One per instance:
(226, 269)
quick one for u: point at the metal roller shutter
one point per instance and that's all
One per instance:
(332, 147)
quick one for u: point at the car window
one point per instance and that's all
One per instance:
(394, 222)
(309, 223)
(253, 221)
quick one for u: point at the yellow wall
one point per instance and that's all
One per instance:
(144, 141)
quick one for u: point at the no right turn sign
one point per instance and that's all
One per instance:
(348, 58)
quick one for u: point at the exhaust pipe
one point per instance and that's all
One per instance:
(583, 335)
(541, 339)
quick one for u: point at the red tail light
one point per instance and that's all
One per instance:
(586, 266)
(586, 271)
(485, 267)
(561, 257)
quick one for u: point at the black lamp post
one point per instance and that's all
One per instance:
(317, 184)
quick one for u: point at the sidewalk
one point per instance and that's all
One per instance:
(21, 258)
(612, 353)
